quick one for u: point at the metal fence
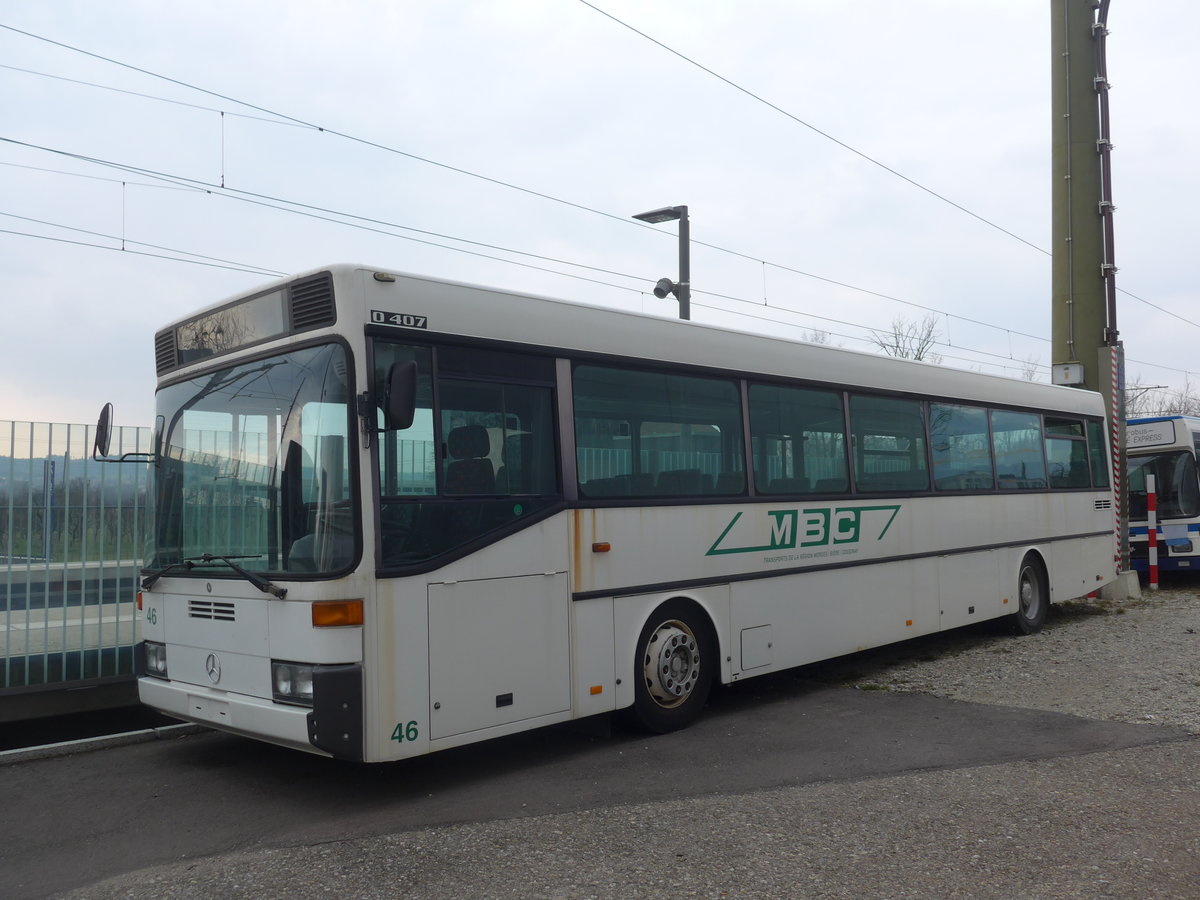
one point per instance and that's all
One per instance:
(71, 536)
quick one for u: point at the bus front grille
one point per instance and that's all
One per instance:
(216, 610)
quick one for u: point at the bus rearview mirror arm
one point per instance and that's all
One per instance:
(398, 404)
(100, 446)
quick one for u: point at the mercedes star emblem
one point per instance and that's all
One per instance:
(212, 666)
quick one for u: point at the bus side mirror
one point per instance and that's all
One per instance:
(103, 432)
(401, 403)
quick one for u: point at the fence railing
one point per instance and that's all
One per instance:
(71, 536)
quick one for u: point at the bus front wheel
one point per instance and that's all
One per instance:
(1033, 596)
(674, 668)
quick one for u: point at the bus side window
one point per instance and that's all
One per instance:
(962, 459)
(1098, 453)
(642, 433)
(798, 436)
(1066, 453)
(889, 444)
(1017, 444)
(499, 438)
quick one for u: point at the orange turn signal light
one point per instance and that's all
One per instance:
(601, 547)
(335, 613)
(139, 601)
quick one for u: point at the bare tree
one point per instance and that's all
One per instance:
(1029, 368)
(1141, 399)
(910, 340)
(1181, 401)
(816, 336)
(1159, 400)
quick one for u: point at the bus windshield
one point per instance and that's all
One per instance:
(255, 466)
(1174, 482)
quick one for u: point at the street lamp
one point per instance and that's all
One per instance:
(682, 289)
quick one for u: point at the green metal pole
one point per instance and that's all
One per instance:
(1083, 308)
(1079, 315)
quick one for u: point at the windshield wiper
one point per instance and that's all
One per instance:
(190, 562)
(148, 581)
(257, 580)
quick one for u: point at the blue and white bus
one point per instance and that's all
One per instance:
(1164, 447)
(395, 514)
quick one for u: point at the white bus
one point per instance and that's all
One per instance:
(395, 514)
(1164, 447)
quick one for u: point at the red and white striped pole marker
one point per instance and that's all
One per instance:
(1152, 530)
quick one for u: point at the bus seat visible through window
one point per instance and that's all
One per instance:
(683, 482)
(792, 485)
(469, 471)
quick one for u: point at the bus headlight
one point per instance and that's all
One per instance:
(292, 682)
(154, 655)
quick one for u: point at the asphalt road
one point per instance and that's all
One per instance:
(71, 821)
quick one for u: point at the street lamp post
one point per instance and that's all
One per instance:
(682, 289)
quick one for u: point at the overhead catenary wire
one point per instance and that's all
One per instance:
(829, 137)
(116, 90)
(868, 158)
(215, 262)
(277, 117)
(273, 116)
(1006, 364)
(243, 267)
(311, 210)
(197, 261)
(624, 220)
(48, 171)
(380, 227)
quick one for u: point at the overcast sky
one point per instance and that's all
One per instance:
(453, 117)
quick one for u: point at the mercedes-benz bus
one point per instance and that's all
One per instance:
(394, 514)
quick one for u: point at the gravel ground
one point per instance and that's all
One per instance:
(1132, 661)
(1117, 824)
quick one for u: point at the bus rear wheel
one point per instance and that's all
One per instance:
(675, 665)
(1033, 596)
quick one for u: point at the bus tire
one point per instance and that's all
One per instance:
(1033, 596)
(675, 663)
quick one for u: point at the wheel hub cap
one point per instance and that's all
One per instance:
(1029, 597)
(672, 664)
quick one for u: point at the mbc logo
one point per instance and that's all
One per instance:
(788, 529)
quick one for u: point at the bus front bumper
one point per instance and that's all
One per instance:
(332, 726)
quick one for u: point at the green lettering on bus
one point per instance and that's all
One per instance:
(815, 526)
(405, 732)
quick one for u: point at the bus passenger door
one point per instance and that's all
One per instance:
(470, 492)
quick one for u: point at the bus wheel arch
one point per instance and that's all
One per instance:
(675, 665)
(1033, 594)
